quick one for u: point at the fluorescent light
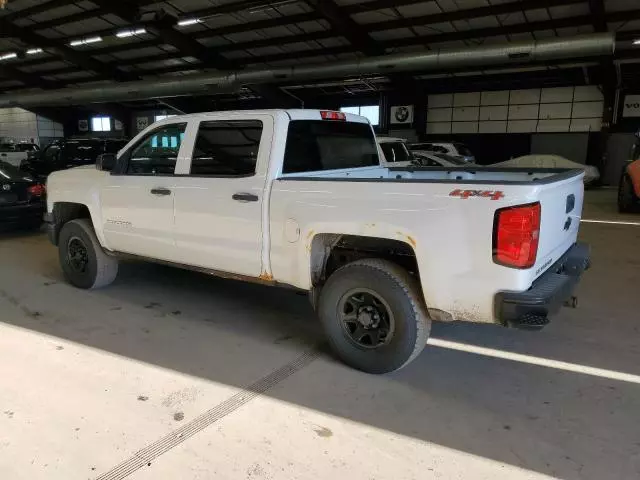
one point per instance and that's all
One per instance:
(636, 41)
(8, 56)
(188, 21)
(85, 41)
(131, 32)
(33, 51)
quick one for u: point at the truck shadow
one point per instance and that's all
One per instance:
(543, 419)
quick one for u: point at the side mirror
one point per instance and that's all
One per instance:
(106, 162)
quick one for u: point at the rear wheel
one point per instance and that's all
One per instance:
(374, 316)
(627, 199)
(83, 261)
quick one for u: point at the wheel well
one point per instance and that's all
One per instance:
(64, 212)
(331, 251)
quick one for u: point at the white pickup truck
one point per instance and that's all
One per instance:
(298, 198)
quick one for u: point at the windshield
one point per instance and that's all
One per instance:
(315, 145)
(395, 152)
(8, 171)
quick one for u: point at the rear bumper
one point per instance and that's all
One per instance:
(21, 214)
(531, 309)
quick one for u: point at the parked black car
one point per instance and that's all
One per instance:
(22, 198)
(70, 152)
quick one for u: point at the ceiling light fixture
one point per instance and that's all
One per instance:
(130, 32)
(33, 51)
(636, 41)
(8, 56)
(189, 21)
(86, 41)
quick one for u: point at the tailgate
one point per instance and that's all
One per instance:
(561, 211)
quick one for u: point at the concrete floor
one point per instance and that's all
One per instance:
(155, 378)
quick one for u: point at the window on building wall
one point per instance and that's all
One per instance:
(162, 117)
(101, 124)
(370, 112)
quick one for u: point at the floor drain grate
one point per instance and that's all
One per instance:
(151, 452)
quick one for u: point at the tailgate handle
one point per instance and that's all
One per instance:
(571, 203)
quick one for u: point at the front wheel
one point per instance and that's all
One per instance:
(83, 261)
(374, 316)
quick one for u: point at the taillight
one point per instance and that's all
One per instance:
(516, 232)
(329, 115)
(37, 190)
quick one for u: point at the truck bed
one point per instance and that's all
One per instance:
(464, 175)
(445, 214)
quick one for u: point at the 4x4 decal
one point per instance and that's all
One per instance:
(492, 194)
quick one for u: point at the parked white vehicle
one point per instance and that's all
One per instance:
(394, 152)
(591, 173)
(298, 198)
(428, 159)
(454, 149)
(9, 153)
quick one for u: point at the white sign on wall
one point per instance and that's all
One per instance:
(142, 123)
(402, 114)
(117, 124)
(631, 106)
(83, 125)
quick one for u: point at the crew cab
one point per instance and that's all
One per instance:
(298, 198)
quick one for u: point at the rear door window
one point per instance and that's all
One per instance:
(226, 148)
(316, 145)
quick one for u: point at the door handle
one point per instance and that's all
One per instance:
(3, 154)
(161, 192)
(245, 197)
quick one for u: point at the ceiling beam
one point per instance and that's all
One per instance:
(598, 15)
(468, 14)
(87, 62)
(275, 97)
(76, 17)
(28, 79)
(343, 25)
(35, 10)
(164, 28)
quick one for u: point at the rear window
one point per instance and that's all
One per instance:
(315, 145)
(395, 152)
(27, 147)
(82, 150)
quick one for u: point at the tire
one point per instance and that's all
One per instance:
(96, 269)
(627, 200)
(397, 292)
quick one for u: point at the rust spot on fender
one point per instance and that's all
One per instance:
(409, 238)
(267, 277)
